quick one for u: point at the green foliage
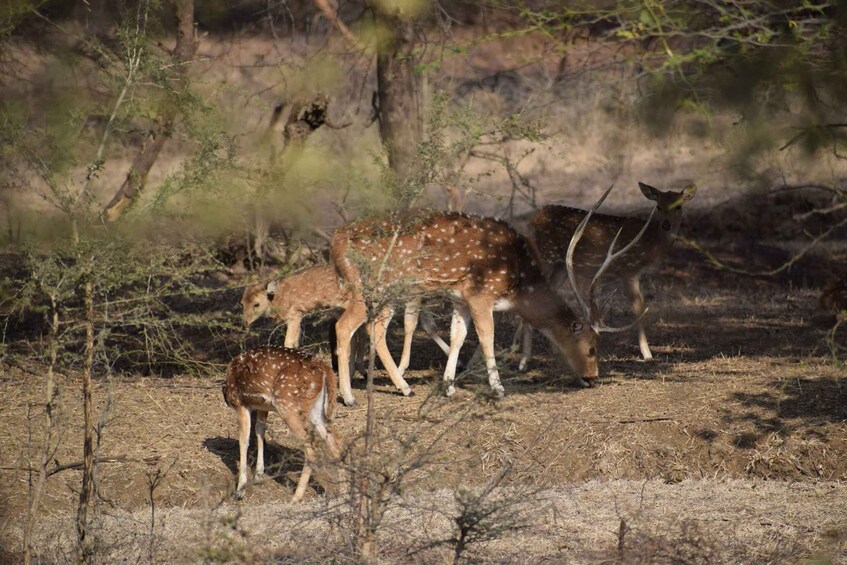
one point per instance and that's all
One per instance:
(758, 59)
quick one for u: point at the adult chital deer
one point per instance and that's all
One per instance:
(300, 388)
(553, 226)
(482, 262)
(291, 298)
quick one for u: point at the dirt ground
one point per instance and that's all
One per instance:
(731, 446)
(734, 436)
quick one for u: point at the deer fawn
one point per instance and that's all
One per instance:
(482, 262)
(553, 226)
(297, 386)
(291, 298)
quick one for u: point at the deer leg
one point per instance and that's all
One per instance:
(353, 317)
(327, 433)
(261, 426)
(428, 325)
(296, 423)
(358, 359)
(482, 310)
(458, 333)
(242, 414)
(633, 291)
(524, 335)
(410, 323)
(380, 329)
(292, 332)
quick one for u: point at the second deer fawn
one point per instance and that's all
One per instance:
(553, 226)
(291, 298)
(300, 388)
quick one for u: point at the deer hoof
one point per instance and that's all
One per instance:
(450, 390)
(351, 403)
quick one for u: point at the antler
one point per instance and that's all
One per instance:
(594, 311)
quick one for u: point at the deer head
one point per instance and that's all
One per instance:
(668, 205)
(256, 301)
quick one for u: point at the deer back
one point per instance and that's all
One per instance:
(465, 254)
(553, 226)
(299, 293)
(275, 378)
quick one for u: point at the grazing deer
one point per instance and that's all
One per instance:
(291, 298)
(297, 386)
(482, 262)
(553, 226)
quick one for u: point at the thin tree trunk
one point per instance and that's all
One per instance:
(47, 451)
(400, 123)
(136, 178)
(85, 493)
(364, 527)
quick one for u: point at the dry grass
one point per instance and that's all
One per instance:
(736, 435)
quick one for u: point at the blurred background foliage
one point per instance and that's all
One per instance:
(270, 148)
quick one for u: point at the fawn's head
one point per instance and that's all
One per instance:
(668, 204)
(256, 301)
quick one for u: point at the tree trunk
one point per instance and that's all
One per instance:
(85, 493)
(136, 178)
(400, 123)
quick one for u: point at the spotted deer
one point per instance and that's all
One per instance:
(553, 227)
(300, 388)
(291, 298)
(482, 263)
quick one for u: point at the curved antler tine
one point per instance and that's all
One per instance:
(607, 329)
(611, 255)
(572, 245)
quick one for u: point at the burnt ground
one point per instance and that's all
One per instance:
(736, 434)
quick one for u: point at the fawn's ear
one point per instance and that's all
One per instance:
(686, 195)
(271, 289)
(649, 192)
(688, 192)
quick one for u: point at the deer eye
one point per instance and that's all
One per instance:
(256, 305)
(576, 327)
(592, 352)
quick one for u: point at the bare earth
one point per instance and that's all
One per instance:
(729, 446)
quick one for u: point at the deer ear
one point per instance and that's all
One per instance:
(649, 192)
(688, 192)
(686, 195)
(271, 289)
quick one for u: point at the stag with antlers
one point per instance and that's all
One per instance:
(556, 229)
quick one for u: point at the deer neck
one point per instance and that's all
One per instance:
(541, 306)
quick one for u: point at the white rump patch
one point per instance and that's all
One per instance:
(317, 414)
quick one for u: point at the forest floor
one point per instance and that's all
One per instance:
(729, 446)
